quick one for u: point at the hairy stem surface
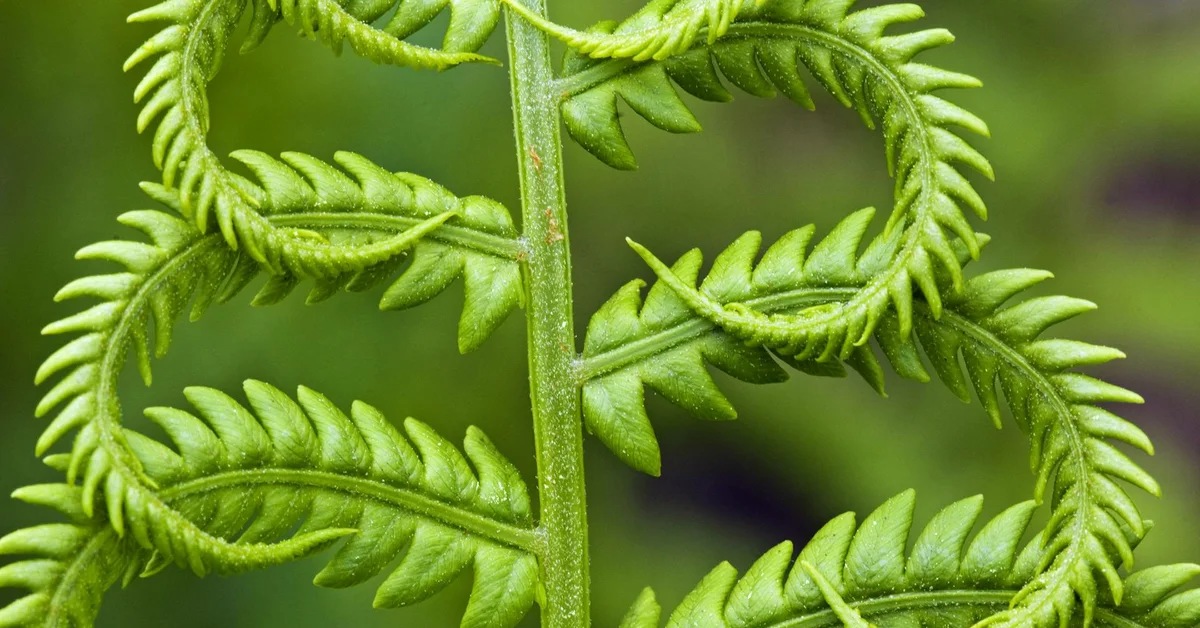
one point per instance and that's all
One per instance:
(558, 430)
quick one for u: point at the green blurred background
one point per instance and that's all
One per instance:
(1095, 112)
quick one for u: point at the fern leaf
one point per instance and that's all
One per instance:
(471, 21)
(287, 474)
(180, 269)
(1093, 521)
(263, 473)
(65, 566)
(189, 52)
(660, 30)
(946, 579)
(333, 25)
(159, 279)
(1151, 597)
(866, 69)
(378, 210)
(666, 340)
(644, 613)
(350, 234)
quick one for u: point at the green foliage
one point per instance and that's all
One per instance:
(189, 51)
(660, 30)
(1093, 520)
(333, 25)
(294, 475)
(236, 487)
(182, 268)
(873, 73)
(848, 570)
(351, 234)
(282, 469)
(67, 566)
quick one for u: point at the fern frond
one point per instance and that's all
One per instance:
(661, 29)
(189, 53)
(66, 567)
(288, 474)
(158, 281)
(284, 467)
(178, 269)
(874, 73)
(181, 269)
(376, 209)
(665, 340)
(1092, 518)
(946, 579)
(1152, 597)
(333, 25)
(471, 21)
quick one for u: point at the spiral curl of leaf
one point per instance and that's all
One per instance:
(867, 70)
(181, 269)
(249, 487)
(1093, 521)
(161, 279)
(190, 51)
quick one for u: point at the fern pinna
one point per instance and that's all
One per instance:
(243, 485)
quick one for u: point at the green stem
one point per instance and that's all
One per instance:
(557, 424)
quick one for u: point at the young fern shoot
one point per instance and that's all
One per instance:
(240, 485)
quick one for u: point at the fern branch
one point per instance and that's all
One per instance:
(313, 208)
(665, 340)
(287, 470)
(66, 568)
(160, 282)
(1092, 518)
(361, 215)
(282, 467)
(471, 21)
(330, 23)
(661, 29)
(946, 580)
(866, 70)
(181, 267)
(189, 51)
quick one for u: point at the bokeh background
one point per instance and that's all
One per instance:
(1095, 111)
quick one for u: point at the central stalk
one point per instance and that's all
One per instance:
(558, 431)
